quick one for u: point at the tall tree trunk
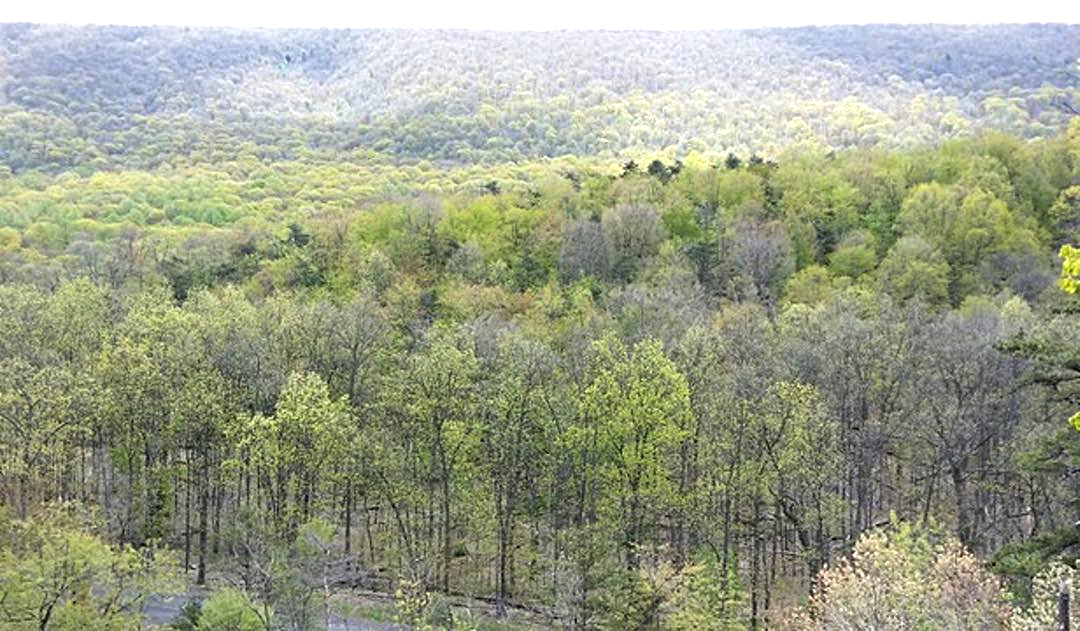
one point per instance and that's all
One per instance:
(348, 515)
(219, 500)
(504, 543)
(204, 518)
(963, 517)
(1063, 616)
(755, 567)
(367, 530)
(446, 532)
(187, 515)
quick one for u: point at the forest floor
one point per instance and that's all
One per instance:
(357, 610)
(378, 607)
(162, 610)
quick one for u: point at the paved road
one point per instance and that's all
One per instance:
(163, 610)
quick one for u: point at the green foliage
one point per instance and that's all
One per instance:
(56, 574)
(680, 223)
(634, 412)
(661, 596)
(298, 446)
(1065, 213)
(971, 228)
(188, 617)
(852, 261)
(425, 611)
(914, 269)
(285, 578)
(810, 286)
(708, 598)
(1021, 562)
(1070, 269)
(228, 610)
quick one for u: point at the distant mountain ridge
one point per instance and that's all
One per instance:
(132, 95)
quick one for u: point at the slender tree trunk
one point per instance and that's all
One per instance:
(446, 532)
(631, 538)
(367, 530)
(929, 496)
(24, 493)
(187, 515)
(82, 473)
(755, 567)
(963, 517)
(126, 532)
(1063, 617)
(500, 601)
(219, 500)
(204, 515)
(247, 480)
(348, 515)
(726, 526)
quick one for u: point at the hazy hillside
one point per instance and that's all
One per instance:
(93, 93)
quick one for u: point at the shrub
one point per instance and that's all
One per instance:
(907, 578)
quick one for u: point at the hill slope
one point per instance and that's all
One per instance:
(75, 96)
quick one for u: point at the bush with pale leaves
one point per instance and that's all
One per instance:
(907, 578)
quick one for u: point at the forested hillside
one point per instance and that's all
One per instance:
(96, 97)
(293, 319)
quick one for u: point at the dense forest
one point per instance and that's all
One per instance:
(724, 330)
(89, 98)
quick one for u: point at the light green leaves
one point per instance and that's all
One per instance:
(300, 446)
(1070, 268)
(55, 575)
(634, 412)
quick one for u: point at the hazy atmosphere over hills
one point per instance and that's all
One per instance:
(466, 96)
(476, 330)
